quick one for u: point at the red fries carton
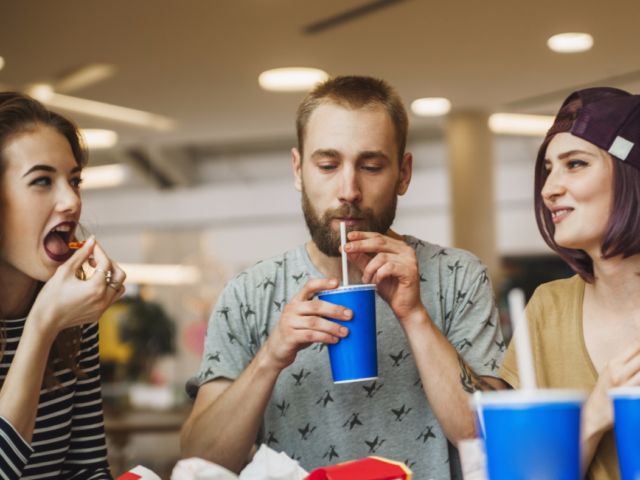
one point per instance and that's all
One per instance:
(370, 468)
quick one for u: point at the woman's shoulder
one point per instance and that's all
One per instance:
(559, 289)
(557, 300)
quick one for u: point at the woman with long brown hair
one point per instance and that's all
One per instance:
(51, 423)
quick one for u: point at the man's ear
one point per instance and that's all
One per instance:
(406, 169)
(296, 165)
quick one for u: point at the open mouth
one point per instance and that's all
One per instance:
(56, 243)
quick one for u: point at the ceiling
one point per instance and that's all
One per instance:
(197, 61)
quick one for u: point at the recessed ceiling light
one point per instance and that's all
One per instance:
(291, 79)
(572, 42)
(431, 106)
(95, 138)
(520, 124)
(1, 63)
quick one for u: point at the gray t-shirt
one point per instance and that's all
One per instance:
(318, 422)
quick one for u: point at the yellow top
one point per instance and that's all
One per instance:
(561, 360)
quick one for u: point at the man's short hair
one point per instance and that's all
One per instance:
(355, 92)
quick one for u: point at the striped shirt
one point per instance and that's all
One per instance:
(68, 438)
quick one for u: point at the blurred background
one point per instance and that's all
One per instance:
(190, 173)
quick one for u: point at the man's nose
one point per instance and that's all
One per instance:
(350, 191)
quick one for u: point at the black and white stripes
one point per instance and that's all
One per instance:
(68, 439)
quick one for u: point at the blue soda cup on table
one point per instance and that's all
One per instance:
(626, 420)
(355, 357)
(531, 434)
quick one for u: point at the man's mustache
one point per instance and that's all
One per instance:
(349, 211)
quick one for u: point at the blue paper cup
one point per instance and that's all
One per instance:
(531, 434)
(355, 357)
(626, 419)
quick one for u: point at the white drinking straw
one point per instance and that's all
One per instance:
(345, 268)
(521, 337)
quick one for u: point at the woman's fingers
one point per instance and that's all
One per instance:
(103, 271)
(82, 255)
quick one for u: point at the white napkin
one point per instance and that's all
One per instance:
(268, 464)
(200, 469)
(473, 459)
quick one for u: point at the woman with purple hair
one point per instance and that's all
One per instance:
(585, 330)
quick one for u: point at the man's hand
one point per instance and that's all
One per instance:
(392, 265)
(302, 323)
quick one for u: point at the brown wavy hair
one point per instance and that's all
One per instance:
(22, 114)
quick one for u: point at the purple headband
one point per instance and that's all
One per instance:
(607, 117)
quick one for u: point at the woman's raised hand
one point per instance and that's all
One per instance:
(621, 371)
(67, 301)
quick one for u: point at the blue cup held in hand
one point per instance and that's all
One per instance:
(626, 422)
(355, 357)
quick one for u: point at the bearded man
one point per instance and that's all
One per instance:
(265, 375)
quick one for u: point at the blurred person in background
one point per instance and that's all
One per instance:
(51, 423)
(265, 375)
(585, 330)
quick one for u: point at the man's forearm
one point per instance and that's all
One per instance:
(225, 430)
(446, 378)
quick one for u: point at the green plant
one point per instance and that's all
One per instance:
(149, 330)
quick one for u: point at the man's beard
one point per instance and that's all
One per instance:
(327, 240)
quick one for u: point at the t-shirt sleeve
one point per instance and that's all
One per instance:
(14, 451)
(509, 368)
(474, 329)
(230, 341)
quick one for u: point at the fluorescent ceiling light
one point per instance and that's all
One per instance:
(572, 42)
(1, 63)
(105, 176)
(95, 138)
(431, 106)
(139, 118)
(41, 91)
(85, 76)
(156, 274)
(520, 124)
(291, 79)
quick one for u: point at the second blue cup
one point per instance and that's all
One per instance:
(626, 415)
(355, 357)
